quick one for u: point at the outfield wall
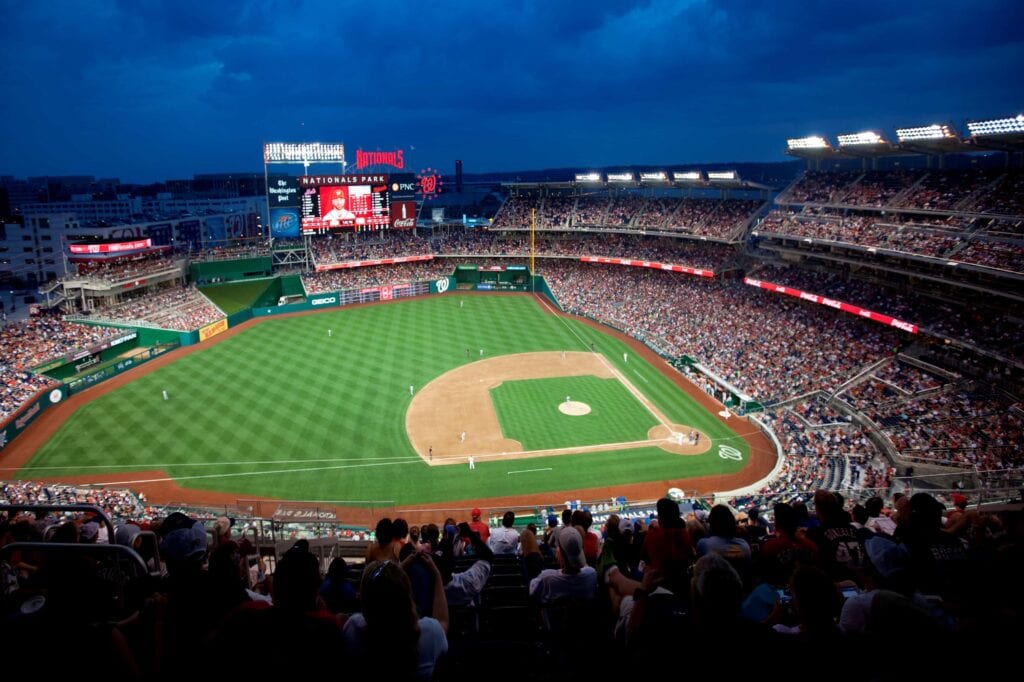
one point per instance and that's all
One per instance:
(336, 299)
(21, 419)
(207, 272)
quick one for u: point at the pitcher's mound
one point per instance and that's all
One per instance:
(573, 408)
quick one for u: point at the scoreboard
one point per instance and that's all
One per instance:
(344, 202)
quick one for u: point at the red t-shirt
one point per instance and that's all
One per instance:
(481, 528)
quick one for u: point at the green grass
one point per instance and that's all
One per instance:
(236, 296)
(282, 410)
(528, 412)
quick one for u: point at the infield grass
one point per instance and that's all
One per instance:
(283, 410)
(528, 412)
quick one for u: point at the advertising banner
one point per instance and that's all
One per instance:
(669, 267)
(403, 215)
(10, 429)
(118, 247)
(283, 191)
(832, 303)
(212, 330)
(284, 223)
(367, 263)
(91, 350)
(323, 300)
(403, 186)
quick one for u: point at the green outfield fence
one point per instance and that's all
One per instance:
(231, 270)
(21, 419)
(115, 367)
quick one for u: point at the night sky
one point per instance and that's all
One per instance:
(146, 90)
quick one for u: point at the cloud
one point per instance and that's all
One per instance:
(530, 83)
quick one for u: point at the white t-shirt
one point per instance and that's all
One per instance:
(553, 584)
(503, 540)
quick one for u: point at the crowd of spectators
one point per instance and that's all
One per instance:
(977, 191)
(1004, 255)
(943, 190)
(817, 412)
(827, 574)
(121, 269)
(767, 346)
(909, 378)
(818, 187)
(252, 248)
(375, 276)
(1005, 197)
(868, 392)
(876, 188)
(986, 327)
(811, 576)
(961, 426)
(707, 217)
(862, 230)
(979, 197)
(477, 242)
(170, 307)
(31, 342)
(119, 504)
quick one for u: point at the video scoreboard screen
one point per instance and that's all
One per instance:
(344, 202)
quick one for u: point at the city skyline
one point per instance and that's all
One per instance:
(151, 91)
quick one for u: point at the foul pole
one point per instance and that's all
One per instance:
(533, 229)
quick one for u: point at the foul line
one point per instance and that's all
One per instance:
(168, 465)
(527, 471)
(644, 400)
(255, 473)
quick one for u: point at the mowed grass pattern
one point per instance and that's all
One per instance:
(528, 412)
(282, 410)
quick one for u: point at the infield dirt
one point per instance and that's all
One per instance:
(165, 490)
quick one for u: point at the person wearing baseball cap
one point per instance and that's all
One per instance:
(338, 211)
(479, 526)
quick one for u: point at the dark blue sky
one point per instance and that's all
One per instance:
(146, 90)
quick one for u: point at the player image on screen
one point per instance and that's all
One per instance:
(344, 202)
(335, 201)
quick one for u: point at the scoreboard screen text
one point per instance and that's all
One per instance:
(344, 202)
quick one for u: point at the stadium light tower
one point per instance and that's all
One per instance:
(814, 148)
(935, 140)
(1004, 134)
(997, 126)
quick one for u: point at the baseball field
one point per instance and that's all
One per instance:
(388, 404)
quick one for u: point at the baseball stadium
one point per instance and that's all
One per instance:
(347, 371)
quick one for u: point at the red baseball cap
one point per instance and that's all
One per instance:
(476, 512)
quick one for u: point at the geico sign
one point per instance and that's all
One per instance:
(324, 301)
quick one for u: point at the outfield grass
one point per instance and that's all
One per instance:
(528, 412)
(283, 410)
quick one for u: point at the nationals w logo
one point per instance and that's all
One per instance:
(729, 452)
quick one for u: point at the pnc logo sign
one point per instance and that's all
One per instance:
(729, 452)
